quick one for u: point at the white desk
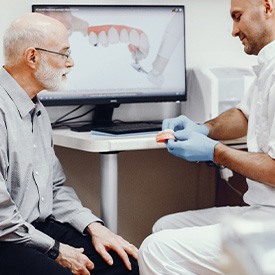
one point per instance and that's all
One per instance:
(109, 147)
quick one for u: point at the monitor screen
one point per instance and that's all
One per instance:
(121, 53)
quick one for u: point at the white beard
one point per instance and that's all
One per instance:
(51, 78)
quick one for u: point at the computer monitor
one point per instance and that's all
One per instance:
(122, 54)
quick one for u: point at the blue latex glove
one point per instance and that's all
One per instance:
(184, 123)
(192, 146)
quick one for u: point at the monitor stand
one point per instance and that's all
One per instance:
(102, 116)
(102, 122)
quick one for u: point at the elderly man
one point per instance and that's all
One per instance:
(190, 242)
(44, 229)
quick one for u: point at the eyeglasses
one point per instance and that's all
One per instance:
(67, 55)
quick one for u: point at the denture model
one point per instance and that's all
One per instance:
(164, 135)
(113, 34)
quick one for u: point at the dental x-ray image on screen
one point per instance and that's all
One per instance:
(121, 53)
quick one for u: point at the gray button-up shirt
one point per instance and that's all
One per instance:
(31, 177)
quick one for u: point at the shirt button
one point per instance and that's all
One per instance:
(36, 172)
(42, 199)
(34, 146)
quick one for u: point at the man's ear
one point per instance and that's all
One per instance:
(31, 57)
(269, 6)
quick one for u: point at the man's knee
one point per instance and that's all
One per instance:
(28, 261)
(161, 224)
(150, 248)
(152, 254)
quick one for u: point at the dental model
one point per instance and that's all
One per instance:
(164, 135)
(106, 34)
(113, 34)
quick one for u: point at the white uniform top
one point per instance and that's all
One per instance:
(259, 107)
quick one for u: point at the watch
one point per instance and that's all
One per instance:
(54, 251)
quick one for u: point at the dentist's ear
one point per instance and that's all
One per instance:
(268, 6)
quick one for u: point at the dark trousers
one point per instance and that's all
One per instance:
(18, 259)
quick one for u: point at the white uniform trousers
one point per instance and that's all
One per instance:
(190, 242)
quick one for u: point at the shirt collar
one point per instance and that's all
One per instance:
(266, 53)
(18, 95)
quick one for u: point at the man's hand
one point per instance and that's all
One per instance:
(74, 259)
(192, 146)
(104, 240)
(184, 123)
